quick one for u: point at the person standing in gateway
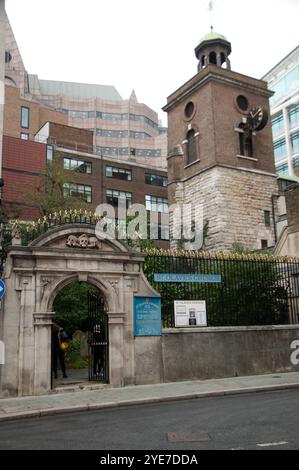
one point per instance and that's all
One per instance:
(58, 335)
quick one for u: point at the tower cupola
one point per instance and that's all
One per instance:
(214, 49)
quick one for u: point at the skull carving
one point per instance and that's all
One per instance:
(94, 243)
(83, 241)
(72, 241)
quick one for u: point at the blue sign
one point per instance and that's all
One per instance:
(197, 278)
(147, 316)
(2, 289)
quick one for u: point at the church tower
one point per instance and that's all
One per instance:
(220, 151)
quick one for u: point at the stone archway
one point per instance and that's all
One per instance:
(34, 275)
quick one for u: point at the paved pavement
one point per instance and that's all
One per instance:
(85, 397)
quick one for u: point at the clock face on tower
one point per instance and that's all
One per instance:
(257, 118)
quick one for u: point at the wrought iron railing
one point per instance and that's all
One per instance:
(254, 289)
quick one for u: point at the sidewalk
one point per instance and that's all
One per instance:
(87, 397)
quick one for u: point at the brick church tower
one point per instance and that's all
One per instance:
(220, 150)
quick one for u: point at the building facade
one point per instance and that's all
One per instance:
(94, 178)
(220, 151)
(122, 129)
(283, 79)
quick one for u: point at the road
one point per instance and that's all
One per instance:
(252, 421)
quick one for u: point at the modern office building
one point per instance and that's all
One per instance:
(122, 128)
(283, 79)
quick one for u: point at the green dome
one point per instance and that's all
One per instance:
(213, 36)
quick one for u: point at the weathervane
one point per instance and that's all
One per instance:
(211, 5)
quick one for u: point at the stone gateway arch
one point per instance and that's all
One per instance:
(34, 274)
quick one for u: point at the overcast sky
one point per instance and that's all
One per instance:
(147, 45)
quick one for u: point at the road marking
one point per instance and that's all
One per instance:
(270, 444)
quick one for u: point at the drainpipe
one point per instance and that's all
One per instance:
(273, 197)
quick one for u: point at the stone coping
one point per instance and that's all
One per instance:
(229, 329)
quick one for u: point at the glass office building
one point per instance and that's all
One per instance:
(283, 79)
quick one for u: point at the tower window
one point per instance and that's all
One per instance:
(213, 58)
(242, 102)
(267, 218)
(264, 244)
(223, 58)
(191, 147)
(245, 141)
(189, 110)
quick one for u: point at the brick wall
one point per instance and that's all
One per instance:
(38, 114)
(71, 137)
(23, 169)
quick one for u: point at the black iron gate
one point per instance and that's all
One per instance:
(98, 339)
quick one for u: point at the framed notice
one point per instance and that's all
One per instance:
(147, 316)
(190, 313)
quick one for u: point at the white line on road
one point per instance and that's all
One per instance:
(272, 444)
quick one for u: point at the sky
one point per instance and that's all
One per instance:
(146, 45)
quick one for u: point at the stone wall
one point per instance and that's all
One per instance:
(212, 353)
(233, 202)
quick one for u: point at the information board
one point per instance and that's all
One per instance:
(147, 316)
(190, 313)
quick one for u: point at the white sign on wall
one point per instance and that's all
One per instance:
(190, 313)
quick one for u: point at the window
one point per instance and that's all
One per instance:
(295, 142)
(264, 244)
(77, 165)
(50, 152)
(191, 147)
(156, 204)
(189, 110)
(159, 231)
(242, 102)
(280, 150)
(118, 173)
(139, 135)
(147, 153)
(113, 197)
(294, 116)
(267, 218)
(156, 180)
(24, 136)
(213, 58)
(77, 190)
(278, 124)
(286, 86)
(282, 170)
(112, 151)
(114, 134)
(245, 140)
(24, 117)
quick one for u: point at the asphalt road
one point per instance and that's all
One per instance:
(253, 421)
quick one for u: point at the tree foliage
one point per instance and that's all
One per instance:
(48, 196)
(71, 307)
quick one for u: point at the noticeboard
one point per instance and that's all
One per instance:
(190, 313)
(147, 316)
